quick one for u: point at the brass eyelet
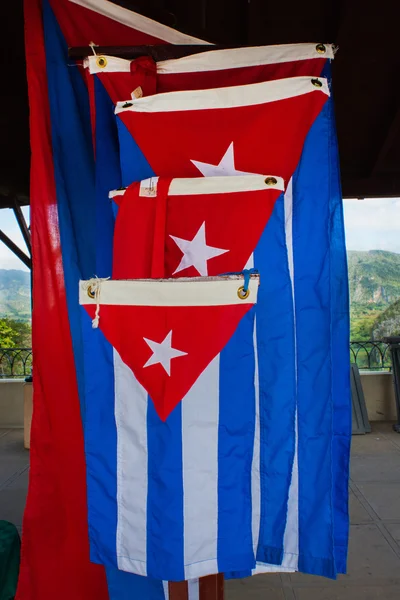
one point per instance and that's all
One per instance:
(242, 293)
(91, 293)
(271, 181)
(101, 62)
(320, 48)
(316, 83)
(127, 105)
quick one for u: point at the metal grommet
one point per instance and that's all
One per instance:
(316, 83)
(127, 105)
(320, 48)
(271, 181)
(242, 293)
(101, 62)
(91, 293)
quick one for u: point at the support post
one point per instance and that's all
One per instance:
(210, 588)
(15, 249)
(394, 344)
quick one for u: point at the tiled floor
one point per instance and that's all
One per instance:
(374, 558)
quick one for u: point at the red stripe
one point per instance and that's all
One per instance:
(55, 550)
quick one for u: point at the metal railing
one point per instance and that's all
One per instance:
(373, 355)
(15, 363)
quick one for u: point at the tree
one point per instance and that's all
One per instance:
(15, 334)
(6, 335)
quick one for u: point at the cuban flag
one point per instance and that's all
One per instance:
(254, 128)
(55, 560)
(191, 227)
(124, 78)
(180, 409)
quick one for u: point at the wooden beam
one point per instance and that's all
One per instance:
(211, 587)
(15, 249)
(371, 187)
(19, 215)
(158, 53)
(392, 135)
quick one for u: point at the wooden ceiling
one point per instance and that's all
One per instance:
(365, 76)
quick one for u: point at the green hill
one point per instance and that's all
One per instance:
(15, 295)
(374, 279)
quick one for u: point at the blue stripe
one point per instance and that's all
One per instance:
(74, 175)
(276, 364)
(165, 551)
(108, 177)
(235, 449)
(340, 327)
(126, 586)
(134, 166)
(312, 272)
(100, 443)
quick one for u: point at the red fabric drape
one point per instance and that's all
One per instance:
(55, 549)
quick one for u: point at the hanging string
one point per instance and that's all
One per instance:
(247, 273)
(93, 288)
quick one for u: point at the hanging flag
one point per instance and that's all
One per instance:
(255, 128)
(158, 469)
(124, 78)
(55, 559)
(191, 227)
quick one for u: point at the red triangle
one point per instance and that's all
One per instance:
(232, 221)
(199, 331)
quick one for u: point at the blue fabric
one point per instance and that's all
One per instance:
(164, 506)
(126, 586)
(108, 177)
(276, 365)
(236, 421)
(312, 276)
(340, 328)
(131, 170)
(101, 458)
(74, 175)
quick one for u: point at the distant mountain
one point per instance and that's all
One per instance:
(374, 277)
(15, 294)
(388, 322)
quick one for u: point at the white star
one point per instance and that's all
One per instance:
(226, 166)
(196, 253)
(163, 353)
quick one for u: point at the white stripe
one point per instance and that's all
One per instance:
(192, 186)
(166, 590)
(195, 291)
(228, 97)
(291, 537)
(200, 416)
(131, 401)
(216, 60)
(115, 193)
(139, 22)
(223, 185)
(193, 589)
(255, 466)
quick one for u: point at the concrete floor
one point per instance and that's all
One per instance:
(374, 557)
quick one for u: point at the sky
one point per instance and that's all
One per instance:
(372, 224)
(10, 227)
